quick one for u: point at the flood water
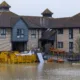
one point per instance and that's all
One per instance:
(36, 71)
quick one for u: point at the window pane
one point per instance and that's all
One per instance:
(60, 31)
(33, 33)
(60, 44)
(70, 36)
(20, 33)
(70, 45)
(79, 30)
(70, 33)
(33, 36)
(3, 31)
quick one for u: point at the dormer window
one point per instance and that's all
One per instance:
(20, 33)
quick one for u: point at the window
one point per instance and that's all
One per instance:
(20, 33)
(70, 46)
(60, 31)
(79, 30)
(3, 32)
(60, 44)
(70, 33)
(33, 33)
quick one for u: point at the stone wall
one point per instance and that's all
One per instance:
(33, 42)
(65, 39)
(5, 42)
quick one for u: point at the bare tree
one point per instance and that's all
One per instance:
(78, 44)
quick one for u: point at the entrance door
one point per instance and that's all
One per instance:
(19, 46)
(46, 44)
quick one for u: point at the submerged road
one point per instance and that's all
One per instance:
(44, 71)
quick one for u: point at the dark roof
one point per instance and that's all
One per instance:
(4, 4)
(33, 21)
(58, 22)
(47, 11)
(48, 35)
(44, 22)
(8, 19)
(74, 21)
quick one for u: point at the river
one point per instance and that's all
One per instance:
(38, 71)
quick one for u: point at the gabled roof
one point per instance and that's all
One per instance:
(4, 4)
(74, 21)
(47, 11)
(77, 15)
(6, 19)
(44, 22)
(33, 21)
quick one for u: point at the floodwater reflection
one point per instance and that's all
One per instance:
(42, 71)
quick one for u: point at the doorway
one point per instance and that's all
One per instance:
(19, 46)
(46, 44)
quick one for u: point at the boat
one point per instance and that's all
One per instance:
(50, 60)
(60, 60)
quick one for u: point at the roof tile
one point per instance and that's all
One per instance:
(4, 4)
(47, 11)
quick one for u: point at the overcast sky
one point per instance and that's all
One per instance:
(60, 8)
